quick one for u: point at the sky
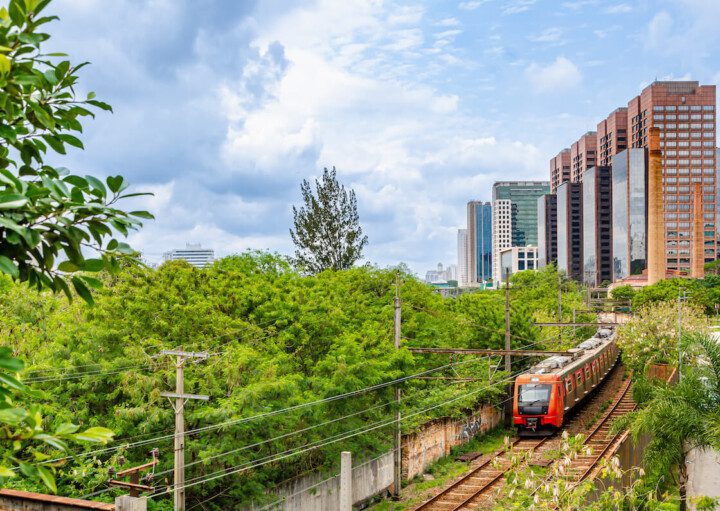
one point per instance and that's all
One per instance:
(222, 108)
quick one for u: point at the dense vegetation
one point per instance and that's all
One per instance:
(704, 293)
(277, 339)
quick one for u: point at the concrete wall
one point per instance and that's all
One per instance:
(436, 439)
(317, 494)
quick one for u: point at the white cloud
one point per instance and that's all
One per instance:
(618, 9)
(471, 5)
(558, 76)
(549, 35)
(659, 29)
(448, 22)
(517, 6)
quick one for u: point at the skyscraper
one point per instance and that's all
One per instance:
(684, 111)
(462, 257)
(629, 196)
(479, 236)
(583, 155)
(570, 229)
(515, 217)
(597, 225)
(559, 169)
(547, 230)
(612, 135)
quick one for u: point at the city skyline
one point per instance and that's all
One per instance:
(224, 137)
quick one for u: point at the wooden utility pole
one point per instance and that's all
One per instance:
(179, 407)
(397, 468)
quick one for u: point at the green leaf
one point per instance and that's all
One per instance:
(11, 382)
(93, 265)
(66, 428)
(61, 69)
(47, 477)
(5, 65)
(5, 471)
(68, 266)
(11, 364)
(73, 141)
(7, 132)
(42, 115)
(12, 201)
(55, 143)
(8, 267)
(112, 244)
(51, 77)
(92, 281)
(96, 434)
(12, 416)
(100, 104)
(114, 183)
(55, 442)
(143, 214)
(97, 185)
(82, 290)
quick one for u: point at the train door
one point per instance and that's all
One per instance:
(569, 392)
(579, 384)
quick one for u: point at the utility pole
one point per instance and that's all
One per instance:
(560, 307)
(508, 366)
(179, 407)
(574, 330)
(397, 468)
(679, 331)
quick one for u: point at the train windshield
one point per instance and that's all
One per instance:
(535, 393)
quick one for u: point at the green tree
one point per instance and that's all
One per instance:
(625, 292)
(47, 213)
(327, 232)
(679, 417)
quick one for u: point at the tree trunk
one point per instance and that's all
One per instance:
(682, 483)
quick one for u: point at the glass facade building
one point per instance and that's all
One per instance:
(524, 196)
(569, 229)
(479, 241)
(597, 225)
(629, 197)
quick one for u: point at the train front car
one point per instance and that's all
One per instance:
(537, 407)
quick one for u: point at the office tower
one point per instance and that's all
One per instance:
(684, 112)
(462, 257)
(479, 235)
(597, 225)
(559, 169)
(515, 220)
(515, 259)
(612, 136)
(569, 229)
(629, 198)
(547, 230)
(193, 254)
(583, 155)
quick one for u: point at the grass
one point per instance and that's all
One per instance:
(444, 470)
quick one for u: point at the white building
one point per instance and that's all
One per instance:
(193, 254)
(451, 272)
(462, 256)
(501, 235)
(518, 259)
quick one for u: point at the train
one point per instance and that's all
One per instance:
(546, 393)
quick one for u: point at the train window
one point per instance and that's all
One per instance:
(579, 377)
(588, 374)
(568, 385)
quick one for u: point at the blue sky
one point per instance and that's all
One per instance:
(223, 107)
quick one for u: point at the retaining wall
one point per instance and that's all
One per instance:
(313, 493)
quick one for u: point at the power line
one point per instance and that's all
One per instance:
(263, 415)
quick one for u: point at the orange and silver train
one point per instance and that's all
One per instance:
(548, 391)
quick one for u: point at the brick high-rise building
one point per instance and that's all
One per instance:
(559, 169)
(583, 155)
(684, 111)
(612, 136)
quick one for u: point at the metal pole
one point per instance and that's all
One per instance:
(179, 434)
(574, 330)
(397, 468)
(679, 336)
(559, 307)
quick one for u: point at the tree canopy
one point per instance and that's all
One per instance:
(327, 232)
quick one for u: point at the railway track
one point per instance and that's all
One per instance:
(477, 488)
